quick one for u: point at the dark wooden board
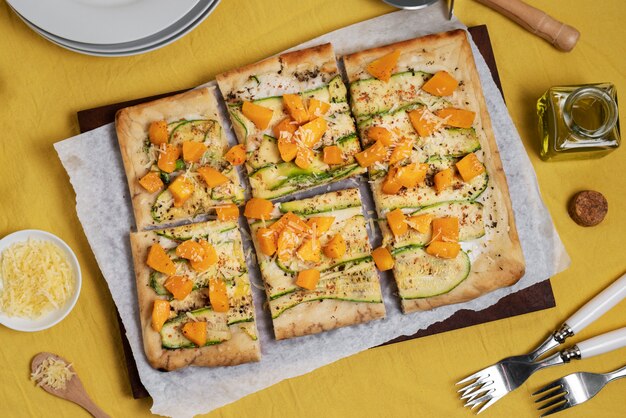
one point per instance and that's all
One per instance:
(531, 299)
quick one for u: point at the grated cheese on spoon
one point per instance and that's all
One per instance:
(52, 372)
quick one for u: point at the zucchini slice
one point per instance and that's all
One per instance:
(469, 214)
(359, 285)
(421, 275)
(425, 195)
(340, 199)
(217, 329)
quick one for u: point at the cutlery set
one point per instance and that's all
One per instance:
(485, 387)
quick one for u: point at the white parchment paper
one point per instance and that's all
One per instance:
(95, 168)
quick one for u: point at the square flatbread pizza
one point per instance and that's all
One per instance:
(173, 152)
(435, 170)
(195, 301)
(291, 114)
(315, 259)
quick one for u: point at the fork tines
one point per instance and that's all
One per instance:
(554, 394)
(478, 391)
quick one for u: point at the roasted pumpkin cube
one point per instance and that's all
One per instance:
(378, 133)
(157, 132)
(285, 129)
(397, 222)
(195, 332)
(291, 221)
(261, 116)
(228, 212)
(310, 133)
(317, 108)
(391, 185)
(402, 150)
(308, 279)
(333, 155)
(193, 151)
(287, 148)
(236, 155)
(151, 182)
(441, 84)
(208, 258)
(469, 167)
(335, 247)
(212, 177)
(458, 118)
(310, 250)
(304, 157)
(267, 241)
(160, 261)
(258, 208)
(218, 295)
(383, 259)
(295, 107)
(181, 189)
(160, 314)
(443, 249)
(383, 67)
(179, 286)
(443, 180)
(288, 241)
(168, 155)
(411, 175)
(421, 222)
(190, 250)
(423, 121)
(320, 224)
(446, 229)
(375, 153)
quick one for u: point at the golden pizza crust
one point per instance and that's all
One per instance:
(132, 125)
(502, 264)
(323, 315)
(239, 349)
(292, 72)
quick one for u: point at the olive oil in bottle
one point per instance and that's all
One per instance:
(578, 122)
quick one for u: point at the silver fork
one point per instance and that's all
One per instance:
(481, 381)
(574, 389)
(498, 385)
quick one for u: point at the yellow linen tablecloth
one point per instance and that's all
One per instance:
(42, 86)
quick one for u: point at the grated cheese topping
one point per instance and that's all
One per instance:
(36, 278)
(52, 372)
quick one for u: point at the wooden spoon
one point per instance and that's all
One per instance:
(74, 390)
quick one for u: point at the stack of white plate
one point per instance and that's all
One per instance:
(112, 28)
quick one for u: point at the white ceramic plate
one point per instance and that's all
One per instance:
(179, 27)
(54, 317)
(151, 43)
(103, 21)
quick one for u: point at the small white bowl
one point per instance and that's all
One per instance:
(54, 317)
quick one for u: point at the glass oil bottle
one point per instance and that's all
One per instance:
(578, 122)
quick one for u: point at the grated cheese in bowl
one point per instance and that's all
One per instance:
(40, 280)
(36, 278)
(52, 372)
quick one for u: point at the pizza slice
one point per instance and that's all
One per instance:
(435, 170)
(175, 157)
(195, 301)
(315, 259)
(291, 114)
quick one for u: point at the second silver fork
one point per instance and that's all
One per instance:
(574, 389)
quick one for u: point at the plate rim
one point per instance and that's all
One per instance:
(164, 42)
(82, 22)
